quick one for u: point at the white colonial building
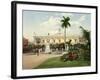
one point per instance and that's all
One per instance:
(57, 39)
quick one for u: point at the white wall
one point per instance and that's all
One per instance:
(5, 43)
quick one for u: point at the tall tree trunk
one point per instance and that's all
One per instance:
(65, 39)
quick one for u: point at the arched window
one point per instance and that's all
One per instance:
(48, 40)
(54, 40)
(43, 41)
(59, 40)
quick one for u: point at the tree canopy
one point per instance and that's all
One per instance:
(65, 22)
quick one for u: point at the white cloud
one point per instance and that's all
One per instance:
(50, 26)
(74, 29)
(75, 26)
(82, 18)
(53, 24)
(51, 21)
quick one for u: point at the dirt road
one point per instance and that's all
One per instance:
(30, 61)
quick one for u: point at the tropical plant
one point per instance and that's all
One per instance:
(65, 24)
(73, 55)
(86, 35)
(86, 48)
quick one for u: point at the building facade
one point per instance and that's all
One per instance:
(57, 39)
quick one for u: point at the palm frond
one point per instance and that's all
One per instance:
(65, 22)
(64, 17)
(62, 20)
(69, 24)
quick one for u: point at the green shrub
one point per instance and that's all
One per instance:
(70, 56)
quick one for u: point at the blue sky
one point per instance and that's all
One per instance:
(44, 22)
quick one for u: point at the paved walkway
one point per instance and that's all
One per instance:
(31, 61)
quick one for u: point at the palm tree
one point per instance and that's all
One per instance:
(65, 24)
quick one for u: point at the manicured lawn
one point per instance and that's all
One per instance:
(56, 63)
